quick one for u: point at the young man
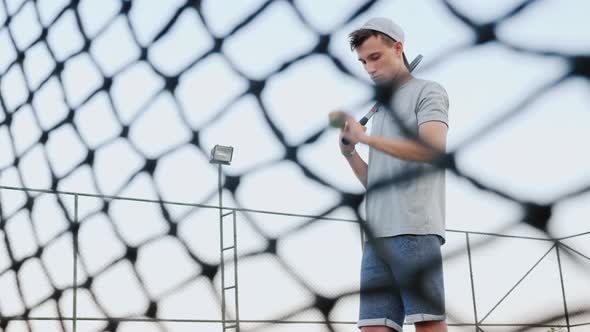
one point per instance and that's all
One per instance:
(408, 218)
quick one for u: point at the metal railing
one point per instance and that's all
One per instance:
(229, 323)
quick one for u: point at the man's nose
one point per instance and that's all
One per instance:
(370, 68)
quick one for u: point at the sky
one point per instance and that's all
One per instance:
(537, 155)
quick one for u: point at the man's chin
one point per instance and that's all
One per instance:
(381, 81)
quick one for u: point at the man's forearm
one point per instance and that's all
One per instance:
(359, 167)
(405, 149)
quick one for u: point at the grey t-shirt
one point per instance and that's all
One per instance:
(416, 206)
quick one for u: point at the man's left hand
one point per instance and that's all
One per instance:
(354, 132)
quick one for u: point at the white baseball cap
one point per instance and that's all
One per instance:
(386, 26)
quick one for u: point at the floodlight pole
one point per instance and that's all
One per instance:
(221, 260)
(233, 324)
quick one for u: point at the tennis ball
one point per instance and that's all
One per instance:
(337, 119)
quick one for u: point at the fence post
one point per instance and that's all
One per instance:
(567, 316)
(237, 313)
(75, 249)
(472, 283)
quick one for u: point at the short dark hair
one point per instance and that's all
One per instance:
(358, 37)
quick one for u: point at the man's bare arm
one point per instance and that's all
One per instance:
(359, 167)
(432, 133)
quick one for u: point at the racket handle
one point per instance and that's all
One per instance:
(363, 122)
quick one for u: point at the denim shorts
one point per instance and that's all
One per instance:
(401, 279)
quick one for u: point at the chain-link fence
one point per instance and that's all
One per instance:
(26, 89)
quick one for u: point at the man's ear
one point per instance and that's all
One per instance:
(399, 47)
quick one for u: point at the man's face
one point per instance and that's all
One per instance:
(382, 62)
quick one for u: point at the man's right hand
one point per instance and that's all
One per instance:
(348, 149)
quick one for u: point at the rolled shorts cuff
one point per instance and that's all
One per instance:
(416, 318)
(379, 322)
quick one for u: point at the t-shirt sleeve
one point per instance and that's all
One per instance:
(433, 104)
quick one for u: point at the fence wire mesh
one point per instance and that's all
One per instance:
(44, 20)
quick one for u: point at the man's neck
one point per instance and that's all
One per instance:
(404, 77)
(385, 89)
